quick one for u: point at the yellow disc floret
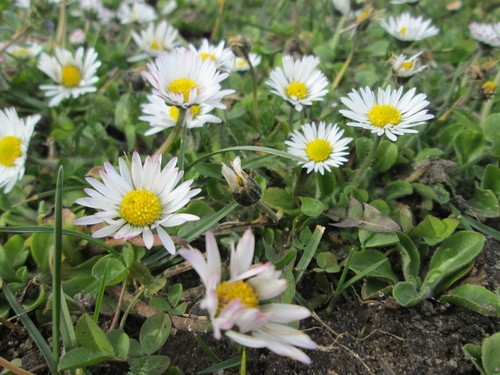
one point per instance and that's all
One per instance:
(296, 90)
(21, 53)
(489, 87)
(182, 86)
(319, 150)
(403, 31)
(71, 76)
(206, 55)
(383, 114)
(174, 111)
(140, 207)
(228, 291)
(10, 150)
(407, 65)
(155, 45)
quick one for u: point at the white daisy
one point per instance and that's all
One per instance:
(136, 12)
(299, 82)
(389, 112)
(15, 134)
(219, 54)
(169, 7)
(404, 66)
(348, 7)
(245, 190)
(162, 116)
(408, 28)
(155, 40)
(75, 75)
(404, 1)
(183, 79)
(239, 64)
(93, 9)
(237, 306)
(487, 33)
(24, 52)
(77, 37)
(321, 147)
(25, 4)
(137, 200)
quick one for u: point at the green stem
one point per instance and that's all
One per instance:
(256, 113)
(56, 276)
(366, 163)
(182, 151)
(173, 135)
(488, 104)
(243, 366)
(130, 306)
(266, 209)
(61, 26)
(336, 36)
(347, 62)
(290, 116)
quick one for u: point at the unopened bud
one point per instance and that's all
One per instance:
(240, 46)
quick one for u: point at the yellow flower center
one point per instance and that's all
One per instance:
(407, 65)
(71, 76)
(174, 112)
(228, 291)
(182, 86)
(206, 55)
(241, 63)
(10, 150)
(382, 114)
(489, 87)
(319, 150)
(297, 90)
(362, 16)
(156, 46)
(140, 207)
(403, 31)
(21, 53)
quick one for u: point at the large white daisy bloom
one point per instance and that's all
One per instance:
(138, 200)
(404, 66)
(322, 147)
(24, 52)
(389, 112)
(299, 82)
(221, 55)
(161, 116)
(237, 306)
(487, 33)
(15, 134)
(136, 12)
(408, 28)
(183, 79)
(154, 41)
(74, 75)
(239, 64)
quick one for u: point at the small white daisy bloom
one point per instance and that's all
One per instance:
(137, 200)
(487, 33)
(239, 64)
(155, 40)
(299, 82)
(404, 66)
(77, 37)
(169, 7)
(237, 306)
(404, 1)
(75, 75)
(221, 55)
(389, 112)
(25, 4)
(93, 9)
(182, 79)
(322, 147)
(348, 7)
(136, 12)
(24, 52)
(408, 28)
(15, 134)
(161, 116)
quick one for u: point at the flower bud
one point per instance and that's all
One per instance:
(244, 189)
(240, 46)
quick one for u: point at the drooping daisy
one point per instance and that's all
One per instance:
(389, 112)
(136, 12)
(74, 75)
(404, 66)
(245, 190)
(182, 79)
(299, 82)
(237, 306)
(137, 200)
(161, 116)
(154, 41)
(322, 147)
(24, 52)
(221, 55)
(15, 134)
(408, 28)
(239, 64)
(486, 33)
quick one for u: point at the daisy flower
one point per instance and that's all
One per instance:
(25, 4)
(244, 189)
(136, 12)
(161, 116)
(404, 1)
(24, 52)
(347, 7)
(74, 75)
(15, 134)
(404, 66)
(219, 54)
(389, 112)
(93, 9)
(299, 82)
(155, 40)
(237, 305)
(408, 28)
(322, 147)
(137, 200)
(184, 79)
(486, 33)
(239, 64)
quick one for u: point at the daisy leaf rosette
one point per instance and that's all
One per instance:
(321, 146)
(221, 55)
(74, 75)
(155, 40)
(183, 79)
(389, 112)
(237, 306)
(486, 33)
(407, 28)
(15, 135)
(138, 200)
(299, 82)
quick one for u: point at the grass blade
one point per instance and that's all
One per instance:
(56, 268)
(309, 252)
(232, 362)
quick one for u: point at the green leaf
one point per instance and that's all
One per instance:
(489, 354)
(375, 288)
(484, 203)
(409, 255)
(278, 198)
(363, 147)
(491, 133)
(82, 357)
(328, 262)
(115, 270)
(437, 192)
(469, 144)
(398, 189)
(309, 252)
(89, 334)
(312, 207)
(474, 353)
(120, 342)
(405, 293)
(149, 365)
(370, 239)
(174, 294)
(233, 362)
(434, 230)
(40, 245)
(154, 332)
(476, 298)
(385, 156)
(491, 178)
(361, 260)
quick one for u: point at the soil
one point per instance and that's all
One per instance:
(358, 338)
